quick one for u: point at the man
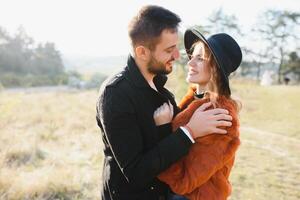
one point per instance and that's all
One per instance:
(134, 152)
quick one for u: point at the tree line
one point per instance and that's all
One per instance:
(22, 63)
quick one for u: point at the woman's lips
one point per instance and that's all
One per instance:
(192, 72)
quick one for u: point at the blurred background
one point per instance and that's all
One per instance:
(54, 55)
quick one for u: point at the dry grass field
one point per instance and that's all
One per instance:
(50, 146)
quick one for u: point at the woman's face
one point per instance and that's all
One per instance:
(199, 71)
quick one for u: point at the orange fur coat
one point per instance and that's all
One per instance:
(203, 173)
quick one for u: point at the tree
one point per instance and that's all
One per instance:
(47, 60)
(292, 65)
(4, 37)
(23, 64)
(277, 29)
(4, 40)
(220, 22)
(16, 52)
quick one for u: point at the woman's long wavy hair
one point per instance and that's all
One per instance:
(217, 85)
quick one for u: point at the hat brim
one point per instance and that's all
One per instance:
(191, 36)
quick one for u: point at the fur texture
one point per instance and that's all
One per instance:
(203, 173)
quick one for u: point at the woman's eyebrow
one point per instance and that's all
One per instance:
(198, 54)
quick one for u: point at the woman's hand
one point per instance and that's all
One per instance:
(163, 114)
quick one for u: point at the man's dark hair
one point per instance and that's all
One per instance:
(146, 27)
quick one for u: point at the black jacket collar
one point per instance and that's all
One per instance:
(138, 79)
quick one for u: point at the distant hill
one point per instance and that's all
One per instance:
(91, 64)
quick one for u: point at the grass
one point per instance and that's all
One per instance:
(268, 162)
(272, 108)
(50, 146)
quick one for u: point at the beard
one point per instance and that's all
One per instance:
(157, 67)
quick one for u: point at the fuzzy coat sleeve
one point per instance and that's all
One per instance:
(209, 156)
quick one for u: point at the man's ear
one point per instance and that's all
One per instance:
(142, 52)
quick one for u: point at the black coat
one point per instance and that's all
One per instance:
(135, 149)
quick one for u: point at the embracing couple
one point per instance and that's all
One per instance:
(153, 148)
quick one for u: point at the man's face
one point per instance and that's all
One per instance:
(165, 53)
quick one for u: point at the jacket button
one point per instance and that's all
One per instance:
(152, 188)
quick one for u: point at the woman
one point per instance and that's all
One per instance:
(203, 173)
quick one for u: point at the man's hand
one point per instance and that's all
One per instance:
(205, 122)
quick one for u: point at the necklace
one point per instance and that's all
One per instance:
(199, 96)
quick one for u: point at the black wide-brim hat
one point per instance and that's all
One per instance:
(225, 49)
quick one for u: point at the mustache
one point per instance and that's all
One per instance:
(172, 59)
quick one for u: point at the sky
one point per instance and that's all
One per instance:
(99, 28)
